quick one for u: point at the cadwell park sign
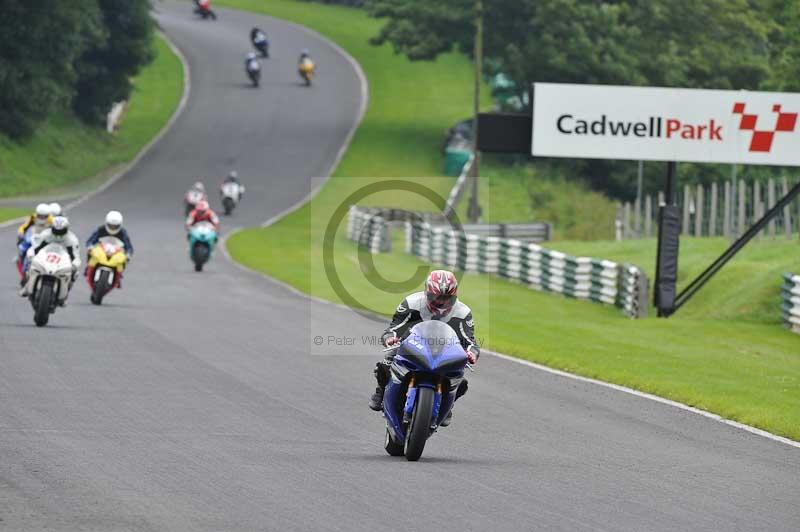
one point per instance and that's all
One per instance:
(657, 124)
(661, 124)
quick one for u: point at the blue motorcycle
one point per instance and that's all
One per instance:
(425, 375)
(22, 250)
(202, 239)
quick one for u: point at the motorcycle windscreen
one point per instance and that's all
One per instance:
(434, 346)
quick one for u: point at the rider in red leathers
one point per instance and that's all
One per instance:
(202, 213)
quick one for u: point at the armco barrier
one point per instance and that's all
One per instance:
(602, 281)
(369, 229)
(371, 226)
(532, 232)
(790, 301)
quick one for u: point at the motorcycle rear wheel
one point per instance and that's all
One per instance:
(227, 204)
(420, 426)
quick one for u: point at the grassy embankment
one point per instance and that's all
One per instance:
(725, 352)
(66, 156)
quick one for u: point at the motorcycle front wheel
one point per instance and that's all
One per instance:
(420, 427)
(200, 256)
(44, 298)
(101, 287)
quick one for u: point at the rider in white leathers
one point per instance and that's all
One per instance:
(57, 233)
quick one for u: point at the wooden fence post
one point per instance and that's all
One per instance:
(726, 211)
(698, 212)
(686, 199)
(626, 221)
(712, 216)
(787, 211)
(770, 204)
(741, 214)
(757, 205)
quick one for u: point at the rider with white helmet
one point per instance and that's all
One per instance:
(111, 227)
(40, 219)
(55, 209)
(193, 196)
(58, 233)
(233, 177)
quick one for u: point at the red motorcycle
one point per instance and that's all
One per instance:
(203, 8)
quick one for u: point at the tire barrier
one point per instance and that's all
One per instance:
(369, 229)
(622, 285)
(371, 226)
(790, 301)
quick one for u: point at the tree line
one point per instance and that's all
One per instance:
(78, 54)
(719, 44)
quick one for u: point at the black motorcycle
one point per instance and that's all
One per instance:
(261, 44)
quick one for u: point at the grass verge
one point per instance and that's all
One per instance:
(9, 213)
(64, 151)
(724, 352)
(576, 211)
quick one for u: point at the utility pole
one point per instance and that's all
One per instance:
(639, 179)
(474, 210)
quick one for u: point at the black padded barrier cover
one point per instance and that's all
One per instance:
(669, 231)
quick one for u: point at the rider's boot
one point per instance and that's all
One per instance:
(381, 373)
(462, 389)
(376, 401)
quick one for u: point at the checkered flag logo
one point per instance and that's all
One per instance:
(762, 139)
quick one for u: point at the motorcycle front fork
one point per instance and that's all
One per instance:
(411, 396)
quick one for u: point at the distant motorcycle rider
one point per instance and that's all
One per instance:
(202, 213)
(439, 301)
(58, 233)
(111, 227)
(203, 7)
(40, 219)
(233, 177)
(193, 196)
(259, 40)
(56, 210)
(251, 62)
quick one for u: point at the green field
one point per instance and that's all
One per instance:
(9, 213)
(518, 193)
(65, 151)
(725, 352)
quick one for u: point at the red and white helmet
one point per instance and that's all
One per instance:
(441, 291)
(202, 206)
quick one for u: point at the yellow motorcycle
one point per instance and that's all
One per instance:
(107, 260)
(306, 70)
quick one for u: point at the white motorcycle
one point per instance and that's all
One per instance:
(50, 279)
(192, 198)
(231, 194)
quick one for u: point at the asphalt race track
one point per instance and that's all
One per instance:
(193, 401)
